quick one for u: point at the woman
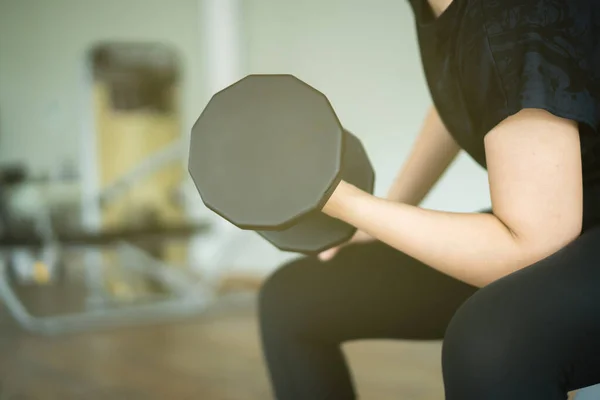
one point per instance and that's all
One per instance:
(515, 292)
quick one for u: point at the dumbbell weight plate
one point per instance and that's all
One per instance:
(265, 150)
(317, 232)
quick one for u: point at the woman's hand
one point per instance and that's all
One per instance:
(333, 206)
(359, 237)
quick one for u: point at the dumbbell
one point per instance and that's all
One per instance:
(266, 154)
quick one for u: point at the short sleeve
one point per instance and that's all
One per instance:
(546, 55)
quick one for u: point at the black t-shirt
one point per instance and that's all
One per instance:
(485, 60)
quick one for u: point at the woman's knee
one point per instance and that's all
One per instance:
(489, 340)
(281, 294)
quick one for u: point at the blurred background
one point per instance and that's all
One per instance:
(115, 281)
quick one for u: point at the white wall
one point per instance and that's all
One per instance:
(43, 46)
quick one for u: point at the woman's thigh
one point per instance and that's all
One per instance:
(535, 332)
(368, 290)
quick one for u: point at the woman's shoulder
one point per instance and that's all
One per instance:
(543, 54)
(556, 39)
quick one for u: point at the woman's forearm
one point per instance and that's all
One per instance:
(475, 248)
(431, 154)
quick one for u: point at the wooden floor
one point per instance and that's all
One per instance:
(212, 357)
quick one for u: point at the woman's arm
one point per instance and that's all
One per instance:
(534, 166)
(431, 154)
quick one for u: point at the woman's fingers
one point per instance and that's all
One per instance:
(328, 254)
(359, 237)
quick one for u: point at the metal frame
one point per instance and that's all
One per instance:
(188, 299)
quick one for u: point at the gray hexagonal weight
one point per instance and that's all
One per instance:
(265, 150)
(317, 232)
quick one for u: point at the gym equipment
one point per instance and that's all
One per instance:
(40, 255)
(266, 154)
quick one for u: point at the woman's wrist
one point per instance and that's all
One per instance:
(340, 202)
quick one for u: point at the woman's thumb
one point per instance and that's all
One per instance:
(328, 254)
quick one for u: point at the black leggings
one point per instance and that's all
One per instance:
(532, 335)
